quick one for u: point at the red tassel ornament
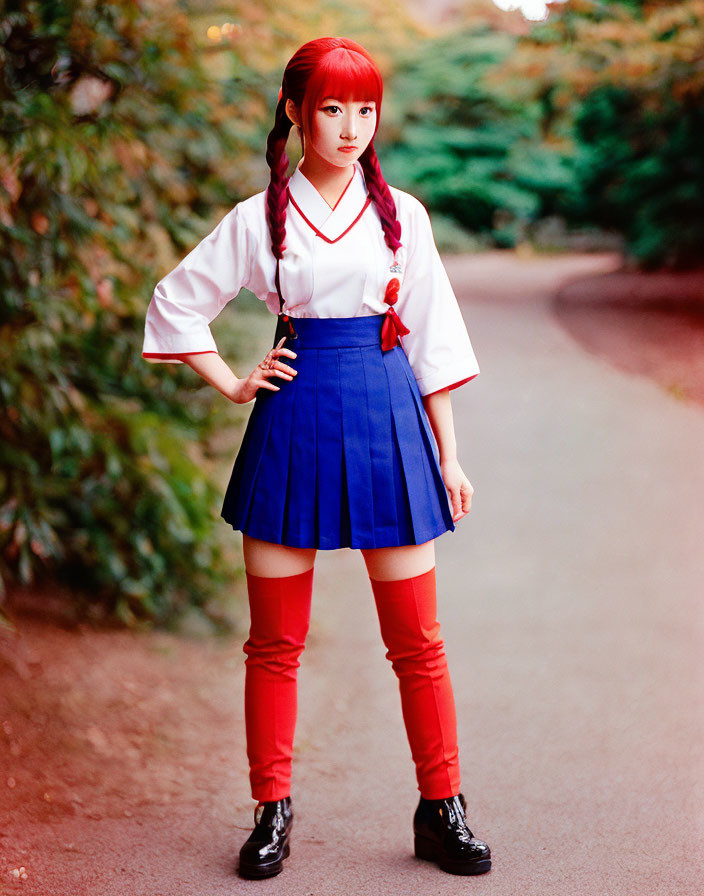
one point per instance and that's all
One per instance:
(393, 327)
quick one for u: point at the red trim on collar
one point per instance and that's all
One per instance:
(318, 232)
(343, 192)
(321, 195)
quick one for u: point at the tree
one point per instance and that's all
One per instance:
(628, 80)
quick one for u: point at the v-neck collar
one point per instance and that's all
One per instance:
(331, 222)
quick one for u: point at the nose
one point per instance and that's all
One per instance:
(348, 130)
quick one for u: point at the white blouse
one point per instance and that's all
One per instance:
(343, 278)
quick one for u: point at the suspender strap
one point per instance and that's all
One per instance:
(284, 324)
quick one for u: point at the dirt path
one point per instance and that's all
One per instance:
(570, 601)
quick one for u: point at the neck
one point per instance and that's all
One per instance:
(329, 180)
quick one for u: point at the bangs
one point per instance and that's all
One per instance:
(347, 76)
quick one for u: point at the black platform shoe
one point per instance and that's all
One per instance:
(441, 835)
(263, 853)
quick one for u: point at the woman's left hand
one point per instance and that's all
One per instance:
(459, 488)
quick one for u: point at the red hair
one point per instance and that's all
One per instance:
(348, 75)
(327, 66)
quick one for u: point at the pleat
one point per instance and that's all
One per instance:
(356, 446)
(330, 480)
(266, 511)
(390, 504)
(430, 446)
(428, 519)
(300, 527)
(239, 492)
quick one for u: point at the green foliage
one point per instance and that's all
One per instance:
(634, 158)
(625, 81)
(109, 171)
(469, 149)
(593, 118)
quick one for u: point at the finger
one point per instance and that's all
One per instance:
(286, 351)
(275, 371)
(459, 505)
(279, 365)
(286, 367)
(455, 499)
(267, 385)
(281, 341)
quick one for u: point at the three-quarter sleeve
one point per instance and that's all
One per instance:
(438, 346)
(191, 296)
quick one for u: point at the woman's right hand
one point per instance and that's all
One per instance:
(245, 389)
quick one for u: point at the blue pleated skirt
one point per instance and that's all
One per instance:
(343, 455)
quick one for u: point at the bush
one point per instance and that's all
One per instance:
(109, 171)
(469, 148)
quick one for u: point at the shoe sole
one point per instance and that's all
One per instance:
(257, 872)
(429, 850)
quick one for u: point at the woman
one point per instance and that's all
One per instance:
(350, 442)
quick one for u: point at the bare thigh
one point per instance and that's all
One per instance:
(268, 559)
(387, 564)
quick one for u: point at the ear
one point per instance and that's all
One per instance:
(293, 112)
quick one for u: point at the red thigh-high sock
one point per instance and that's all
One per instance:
(407, 611)
(280, 617)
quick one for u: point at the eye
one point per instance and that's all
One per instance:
(332, 107)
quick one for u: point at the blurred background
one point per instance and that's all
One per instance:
(128, 130)
(558, 148)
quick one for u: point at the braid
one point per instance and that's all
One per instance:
(381, 196)
(392, 327)
(276, 199)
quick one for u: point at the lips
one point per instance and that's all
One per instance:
(346, 148)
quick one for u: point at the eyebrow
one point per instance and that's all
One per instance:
(325, 100)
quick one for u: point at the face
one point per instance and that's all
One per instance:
(341, 130)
